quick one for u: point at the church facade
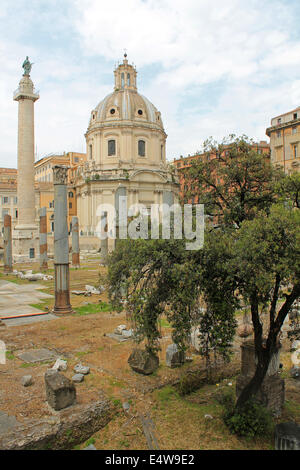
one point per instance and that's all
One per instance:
(126, 153)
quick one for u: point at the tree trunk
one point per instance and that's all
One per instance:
(255, 383)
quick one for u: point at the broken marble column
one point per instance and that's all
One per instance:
(7, 244)
(75, 243)
(61, 241)
(43, 239)
(104, 239)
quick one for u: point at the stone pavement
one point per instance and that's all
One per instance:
(7, 423)
(15, 299)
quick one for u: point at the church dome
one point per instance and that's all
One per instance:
(125, 103)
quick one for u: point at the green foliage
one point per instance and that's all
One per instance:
(226, 399)
(264, 248)
(234, 181)
(90, 441)
(166, 394)
(158, 277)
(93, 308)
(289, 189)
(251, 420)
(10, 356)
(190, 382)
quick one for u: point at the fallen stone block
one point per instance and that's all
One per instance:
(79, 292)
(27, 380)
(127, 333)
(287, 436)
(119, 329)
(295, 372)
(60, 391)
(80, 369)
(92, 289)
(78, 378)
(143, 362)
(60, 364)
(174, 357)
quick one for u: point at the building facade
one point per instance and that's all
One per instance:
(43, 188)
(126, 148)
(8, 195)
(284, 136)
(182, 163)
(44, 178)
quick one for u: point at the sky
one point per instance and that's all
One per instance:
(212, 68)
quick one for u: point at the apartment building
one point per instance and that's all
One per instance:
(284, 134)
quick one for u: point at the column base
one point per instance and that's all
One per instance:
(7, 270)
(62, 304)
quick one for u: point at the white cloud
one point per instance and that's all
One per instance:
(247, 48)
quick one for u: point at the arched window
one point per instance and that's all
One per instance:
(111, 147)
(122, 80)
(71, 194)
(128, 79)
(141, 148)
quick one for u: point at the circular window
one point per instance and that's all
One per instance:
(112, 111)
(140, 112)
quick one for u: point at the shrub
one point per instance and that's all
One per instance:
(251, 420)
(190, 382)
(226, 399)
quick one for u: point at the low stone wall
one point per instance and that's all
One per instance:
(271, 394)
(63, 430)
(85, 242)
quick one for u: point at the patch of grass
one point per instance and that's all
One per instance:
(10, 356)
(293, 408)
(93, 308)
(82, 353)
(116, 383)
(90, 441)
(39, 306)
(35, 364)
(117, 402)
(166, 394)
(124, 443)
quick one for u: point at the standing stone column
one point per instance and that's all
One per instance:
(104, 240)
(43, 239)
(61, 242)
(75, 243)
(26, 231)
(7, 244)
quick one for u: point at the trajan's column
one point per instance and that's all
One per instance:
(25, 235)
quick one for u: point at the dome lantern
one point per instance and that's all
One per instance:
(125, 76)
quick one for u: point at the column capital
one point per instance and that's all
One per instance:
(60, 174)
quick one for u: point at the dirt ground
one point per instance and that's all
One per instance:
(175, 422)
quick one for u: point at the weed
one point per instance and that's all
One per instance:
(10, 355)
